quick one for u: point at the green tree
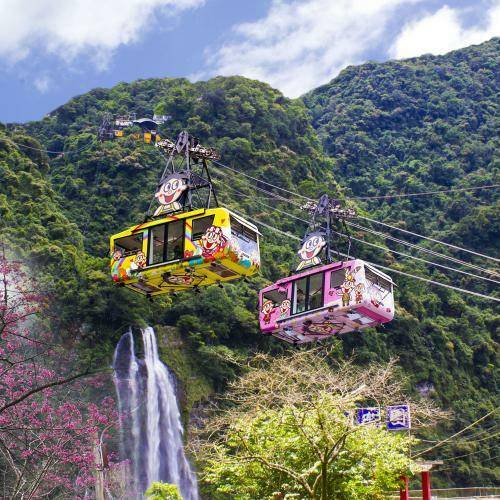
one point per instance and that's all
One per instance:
(289, 430)
(163, 491)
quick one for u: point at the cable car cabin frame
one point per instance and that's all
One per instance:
(203, 247)
(326, 300)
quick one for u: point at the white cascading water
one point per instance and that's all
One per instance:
(151, 431)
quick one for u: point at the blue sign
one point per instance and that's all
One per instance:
(398, 418)
(367, 415)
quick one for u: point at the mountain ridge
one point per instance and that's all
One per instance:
(442, 339)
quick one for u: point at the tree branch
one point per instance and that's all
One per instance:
(46, 386)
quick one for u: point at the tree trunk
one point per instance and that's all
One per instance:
(324, 480)
(98, 471)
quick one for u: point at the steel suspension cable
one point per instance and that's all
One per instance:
(380, 266)
(425, 193)
(65, 153)
(457, 433)
(429, 239)
(411, 245)
(371, 220)
(423, 249)
(259, 180)
(366, 242)
(431, 263)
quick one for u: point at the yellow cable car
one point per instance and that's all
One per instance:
(185, 251)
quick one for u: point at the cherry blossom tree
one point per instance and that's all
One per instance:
(49, 429)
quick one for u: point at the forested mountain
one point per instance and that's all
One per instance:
(419, 125)
(400, 127)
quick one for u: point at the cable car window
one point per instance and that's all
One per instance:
(201, 225)
(299, 295)
(129, 244)
(275, 296)
(337, 278)
(175, 241)
(375, 279)
(315, 291)
(241, 230)
(245, 238)
(308, 293)
(166, 242)
(156, 244)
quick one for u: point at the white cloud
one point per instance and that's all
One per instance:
(442, 32)
(42, 83)
(68, 28)
(304, 43)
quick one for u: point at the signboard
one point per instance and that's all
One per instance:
(398, 418)
(368, 415)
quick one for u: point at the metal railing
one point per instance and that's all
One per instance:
(471, 493)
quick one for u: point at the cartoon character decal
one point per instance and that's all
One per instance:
(184, 279)
(285, 308)
(169, 193)
(376, 296)
(358, 292)
(117, 255)
(212, 241)
(311, 247)
(124, 266)
(325, 328)
(348, 285)
(267, 309)
(140, 259)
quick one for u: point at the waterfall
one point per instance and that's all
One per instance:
(151, 430)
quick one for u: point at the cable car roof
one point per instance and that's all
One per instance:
(184, 215)
(146, 122)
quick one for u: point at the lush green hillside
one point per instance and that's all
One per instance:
(428, 124)
(386, 127)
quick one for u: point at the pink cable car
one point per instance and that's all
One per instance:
(324, 300)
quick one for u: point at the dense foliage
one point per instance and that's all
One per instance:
(49, 425)
(417, 125)
(285, 429)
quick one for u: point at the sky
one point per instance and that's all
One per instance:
(52, 50)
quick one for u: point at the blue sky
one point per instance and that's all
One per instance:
(51, 50)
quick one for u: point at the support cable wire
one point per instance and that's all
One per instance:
(397, 195)
(466, 439)
(429, 262)
(380, 266)
(469, 454)
(440, 443)
(423, 249)
(425, 193)
(430, 239)
(372, 220)
(482, 461)
(65, 153)
(261, 181)
(364, 241)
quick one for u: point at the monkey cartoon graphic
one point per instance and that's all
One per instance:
(169, 192)
(311, 247)
(212, 241)
(358, 292)
(267, 309)
(348, 285)
(140, 259)
(285, 308)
